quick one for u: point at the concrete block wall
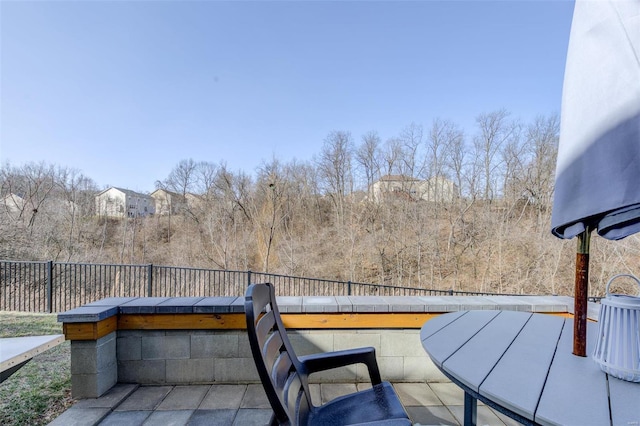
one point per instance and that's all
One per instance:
(208, 356)
(184, 357)
(224, 356)
(400, 354)
(94, 368)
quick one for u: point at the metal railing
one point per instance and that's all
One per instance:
(56, 287)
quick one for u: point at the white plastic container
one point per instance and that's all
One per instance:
(617, 350)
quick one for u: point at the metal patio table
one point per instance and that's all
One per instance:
(522, 365)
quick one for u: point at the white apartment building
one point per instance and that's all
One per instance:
(437, 188)
(121, 203)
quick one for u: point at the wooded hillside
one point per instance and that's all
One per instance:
(320, 218)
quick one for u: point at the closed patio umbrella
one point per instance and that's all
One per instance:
(598, 170)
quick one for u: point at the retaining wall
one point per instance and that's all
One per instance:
(182, 341)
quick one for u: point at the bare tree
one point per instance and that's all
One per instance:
(513, 155)
(205, 176)
(412, 140)
(335, 169)
(368, 157)
(226, 221)
(187, 185)
(308, 219)
(495, 131)
(182, 179)
(28, 187)
(539, 174)
(270, 209)
(76, 194)
(392, 157)
(302, 219)
(455, 159)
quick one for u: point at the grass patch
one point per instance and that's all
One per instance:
(41, 390)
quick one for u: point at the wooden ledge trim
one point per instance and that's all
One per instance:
(229, 321)
(357, 320)
(237, 321)
(89, 330)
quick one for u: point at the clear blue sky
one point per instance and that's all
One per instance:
(124, 90)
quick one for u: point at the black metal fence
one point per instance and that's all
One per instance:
(57, 287)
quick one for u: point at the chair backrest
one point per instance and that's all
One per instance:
(276, 362)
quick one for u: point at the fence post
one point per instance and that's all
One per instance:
(349, 288)
(450, 292)
(50, 286)
(149, 279)
(248, 277)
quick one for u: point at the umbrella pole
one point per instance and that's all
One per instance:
(581, 295)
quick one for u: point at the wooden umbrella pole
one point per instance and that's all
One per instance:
(581, 295)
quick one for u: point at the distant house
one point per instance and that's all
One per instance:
(19, 206)
(440, 189)
(406, 187)
(194, 201)
(121, 203)
(167, 202)
(13, 203)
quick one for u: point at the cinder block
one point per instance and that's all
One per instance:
(296, 331)
(401, 344)
(166, 347)
(84, 360)
(131, 333)
(188, 371)
(214, 346)
(93, 385)
(93, 366)
(235, 370)
(140, 333)
(423, 369)
(391, 368)
(144, 372)
(93, 356)
(244, 348)
(94, 343)
(362, 373)
(349, 340)
(370, 331)
(416, 368)
(129, 348)
(336, 375)
(305, 344)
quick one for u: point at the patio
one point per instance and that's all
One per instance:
(185, 360)
(433, 403)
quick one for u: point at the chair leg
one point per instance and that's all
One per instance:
(470, 410)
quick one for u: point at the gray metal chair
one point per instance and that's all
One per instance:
(285, 376)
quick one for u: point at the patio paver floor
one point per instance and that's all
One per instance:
(247, 405)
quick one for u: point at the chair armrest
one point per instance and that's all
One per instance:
(328, 360)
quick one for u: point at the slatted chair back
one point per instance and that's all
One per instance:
(287, 391)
